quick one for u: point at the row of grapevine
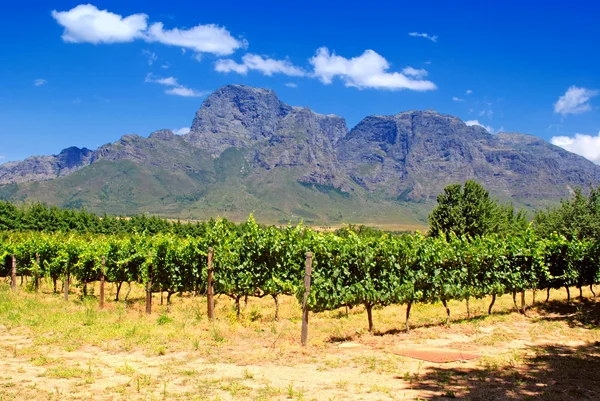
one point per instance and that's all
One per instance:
(348, 269)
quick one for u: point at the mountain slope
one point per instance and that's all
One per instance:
(248, 151)
(413, 155)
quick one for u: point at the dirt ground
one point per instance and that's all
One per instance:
(53, 351)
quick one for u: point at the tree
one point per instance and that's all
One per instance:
(464, 211)
(577, 217)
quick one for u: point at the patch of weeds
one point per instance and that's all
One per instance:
(236, 389)
(67, 372)
(216, 335)
(163, 319)
(160, 350)
(191, 372)
(255, 314)
(126, 369)
(375, 364)
(267, 392)
(90, 315)
(42, 360)
(246, 374)
(341, 385)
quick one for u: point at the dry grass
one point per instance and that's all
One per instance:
(71, 350)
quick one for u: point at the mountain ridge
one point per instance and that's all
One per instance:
(288, 161)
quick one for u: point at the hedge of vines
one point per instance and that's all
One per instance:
(348, 269)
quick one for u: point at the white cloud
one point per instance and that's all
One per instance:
(229, 65)
(182, 131)
(488, 128)
(433, 38)
(468, 91)
(185, 92)
(584, 145)
(165, 66)
(86, 24)
(267, 66)
(2, 157)
(368, 70)
(175, 88)
(291, 85)
(574, 101)
(169, 81)
(457, 99)
(413, 72)
(151, 56)
(201, 38)
(40, 82)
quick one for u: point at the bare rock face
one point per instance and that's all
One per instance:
(413, 155)
(236, 116)
(274, 134)
(43, 168)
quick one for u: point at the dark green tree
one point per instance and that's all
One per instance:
(469, 210)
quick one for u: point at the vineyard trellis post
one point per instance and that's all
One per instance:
(149, 290)
(102, 282)
(210, 289)
(13, 274)
(307, 273)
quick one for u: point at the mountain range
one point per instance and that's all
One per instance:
(247, 151)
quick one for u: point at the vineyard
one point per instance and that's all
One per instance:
(348, 268)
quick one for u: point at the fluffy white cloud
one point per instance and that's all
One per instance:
(574, 101)
(201, 38)
(457, 99)
(468, 91)
(368, 70)
(85, 23)
(181, 131)
(267, 66)
(291, 85)
(584, 145)
(413, 72)
(433, 38)
(185, 92)
(40, 82)
(175, 88)
(488, 128)
(228, 65)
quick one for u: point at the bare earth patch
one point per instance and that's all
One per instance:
(52, 350)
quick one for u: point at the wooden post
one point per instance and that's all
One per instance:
(307, 273)
(149, 291)
(102, 282)
(67, 279)
(37, 272)
(13, 274)
(210, 289)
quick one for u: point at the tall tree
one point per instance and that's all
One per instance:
(467, 210)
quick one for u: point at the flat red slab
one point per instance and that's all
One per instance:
(436, 355)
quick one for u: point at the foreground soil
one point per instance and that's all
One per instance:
(51, 349)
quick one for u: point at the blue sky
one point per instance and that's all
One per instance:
(84, 74)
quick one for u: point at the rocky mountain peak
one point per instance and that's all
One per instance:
(163, 135)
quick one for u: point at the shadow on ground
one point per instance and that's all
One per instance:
(550, 373)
